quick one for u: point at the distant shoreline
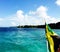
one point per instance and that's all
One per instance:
(52, 25)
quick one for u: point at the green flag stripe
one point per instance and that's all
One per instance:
(50, 30)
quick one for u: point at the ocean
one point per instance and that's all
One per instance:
(23, 39)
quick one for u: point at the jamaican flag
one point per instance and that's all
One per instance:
(53, 40)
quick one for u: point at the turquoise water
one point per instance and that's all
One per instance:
(23, 40)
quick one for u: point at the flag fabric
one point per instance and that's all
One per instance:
(53, 39)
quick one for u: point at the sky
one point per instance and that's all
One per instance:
(29, 12)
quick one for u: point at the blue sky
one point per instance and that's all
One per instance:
(28, 12)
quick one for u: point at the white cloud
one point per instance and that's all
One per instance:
(13, 23)
(31, 18)
(58, 2)
(20, 14)
(1, 19)
(41, 12)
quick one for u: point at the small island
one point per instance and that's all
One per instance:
(52, 25)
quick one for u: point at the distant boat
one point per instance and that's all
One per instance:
(53, 40)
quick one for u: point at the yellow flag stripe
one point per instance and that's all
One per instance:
(50, 33)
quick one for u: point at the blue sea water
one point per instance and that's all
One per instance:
(23, 40)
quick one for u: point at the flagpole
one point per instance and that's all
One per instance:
(47, 46)
(45, 34)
